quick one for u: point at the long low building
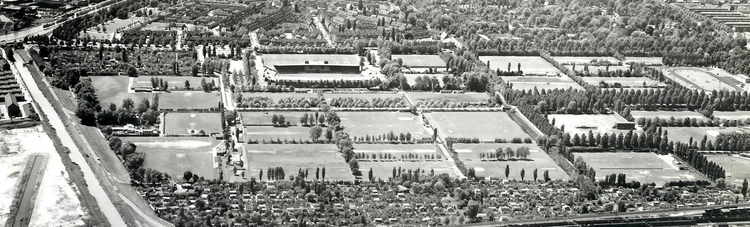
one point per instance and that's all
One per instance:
(307, 66)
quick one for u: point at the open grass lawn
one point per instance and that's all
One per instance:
(398, 149)
(114, 89)
(361, 124)
(625, 81)
(541, 82)
(267, 133)
(384, 170)
(597, 123)
(584, 60)
(189, 100)
(470, 97)
(529, 64)
(176, 81)
(683, 134)
(645, 60)
(187, 123)
(644, 167)
(665, 115)
(737, 167)
(175, 155)
(469, 154)
(270, 60)
(732, 115)
(293, 157)
(487, 126)
(249, 118)
(421, 61)
(708, 79)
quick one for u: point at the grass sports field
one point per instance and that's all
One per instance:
(261, 133)
(176, 81)
(189, 100)
(254, 118)
(469, 154)
(625, 81)
(187, 123)
(644, 60)
(175, 155)
(735, 166)
(384, 170)
(114, 89)
(421, 61)
(683, 134)
(708, 79)
(529, 64)
(293, 157)
(470, 97)
(541, 82)
(644, 167)
(678, 115)
(361, 124)
(577, 124)
(584, 60)
(732, 115)
(595, 69)
(487, 126)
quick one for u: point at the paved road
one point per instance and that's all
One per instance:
(95, 189)
(36, 30)
(323, 31)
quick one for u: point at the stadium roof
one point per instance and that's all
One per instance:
(310, 59)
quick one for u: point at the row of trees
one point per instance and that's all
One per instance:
(88, 102)
(471, 174)
(275, 173)
(349, 102)
(392, 157)
(507, 153)
(389, 137)
(312, 119)
(699, 161)
(264, 102)
(331, 83)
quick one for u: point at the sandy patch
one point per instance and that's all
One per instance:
(56, 202)
(462, 150)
